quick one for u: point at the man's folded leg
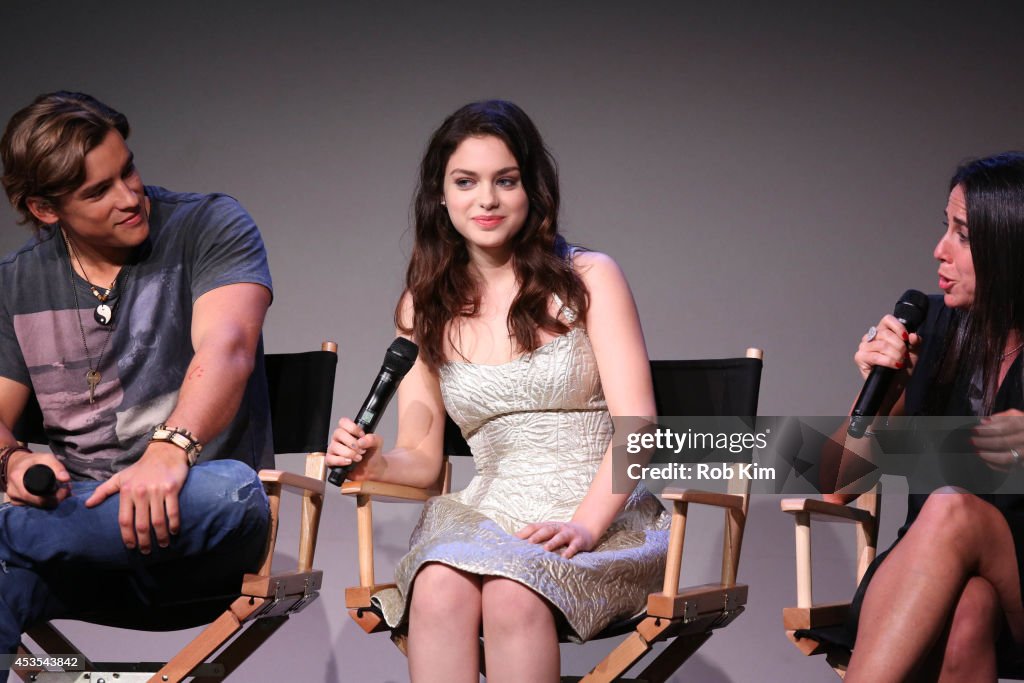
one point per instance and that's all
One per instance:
(75, 562)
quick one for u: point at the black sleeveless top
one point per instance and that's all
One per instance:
(1010, 395)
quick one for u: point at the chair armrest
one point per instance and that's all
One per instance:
(729, 501)
(864, 517)
(821, 510)
(735, 519)
(311, 486)
(387, 492)
(290, 480)
(365, 492)
(805, 618)
(828, 614)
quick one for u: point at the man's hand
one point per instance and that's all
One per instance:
(19, 463)
(149, 496)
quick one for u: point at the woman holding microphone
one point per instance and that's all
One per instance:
(944, 603)
(530, 345)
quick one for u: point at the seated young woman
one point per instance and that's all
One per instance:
(530, 345)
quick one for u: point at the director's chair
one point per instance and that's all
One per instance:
(301, 388)
(685, 618)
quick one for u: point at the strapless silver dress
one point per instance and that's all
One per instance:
(538, 427)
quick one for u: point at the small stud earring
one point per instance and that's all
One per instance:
(443, 203)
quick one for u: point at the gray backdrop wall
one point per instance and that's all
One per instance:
(765, 174)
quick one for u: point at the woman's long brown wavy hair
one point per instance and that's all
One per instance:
(441, 282)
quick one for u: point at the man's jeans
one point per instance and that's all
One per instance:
(70, 562)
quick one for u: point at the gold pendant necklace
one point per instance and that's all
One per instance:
(93, 377)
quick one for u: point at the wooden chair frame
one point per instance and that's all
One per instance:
(267, 598)
(687, 617)
(807, 614)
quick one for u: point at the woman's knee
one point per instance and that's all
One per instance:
(950, 511)
(442, 591)
(509, 605)
(973, 628)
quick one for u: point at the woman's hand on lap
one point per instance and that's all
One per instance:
(571, 536)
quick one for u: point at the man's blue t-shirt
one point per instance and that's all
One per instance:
(196, 243)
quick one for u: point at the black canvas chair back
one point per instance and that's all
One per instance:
(29, 427)
(717, 387)
(301, 426)
(301, 388)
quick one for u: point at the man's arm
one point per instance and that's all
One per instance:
(226, 324)
(13, 398)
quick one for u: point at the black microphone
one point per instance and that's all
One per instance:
(39, 480)
(398, 360)
(911, 310)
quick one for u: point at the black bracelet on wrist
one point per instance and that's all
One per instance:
(5, 456)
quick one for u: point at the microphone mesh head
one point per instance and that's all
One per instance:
(911, 309)
(400, 356)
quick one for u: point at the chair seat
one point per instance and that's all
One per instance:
(616, 628)
(165, 617)
(830, 636)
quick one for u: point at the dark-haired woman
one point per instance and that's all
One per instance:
(530, 346)
(944, 603)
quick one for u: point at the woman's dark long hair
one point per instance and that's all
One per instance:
(439, 279)
(994, 192)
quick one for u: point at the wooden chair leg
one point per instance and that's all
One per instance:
(209, 639)
(51, 641)
(27, 674)
(629, 651)
(241, 647)
(618, 660)
(672, 657)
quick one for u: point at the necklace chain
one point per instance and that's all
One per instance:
(1012, 351)
(93, 288)
(93, 376)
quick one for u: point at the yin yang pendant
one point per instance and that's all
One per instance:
(103, 314)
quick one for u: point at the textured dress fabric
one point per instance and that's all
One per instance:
(538, 427)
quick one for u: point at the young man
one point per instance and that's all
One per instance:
(134, 314)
